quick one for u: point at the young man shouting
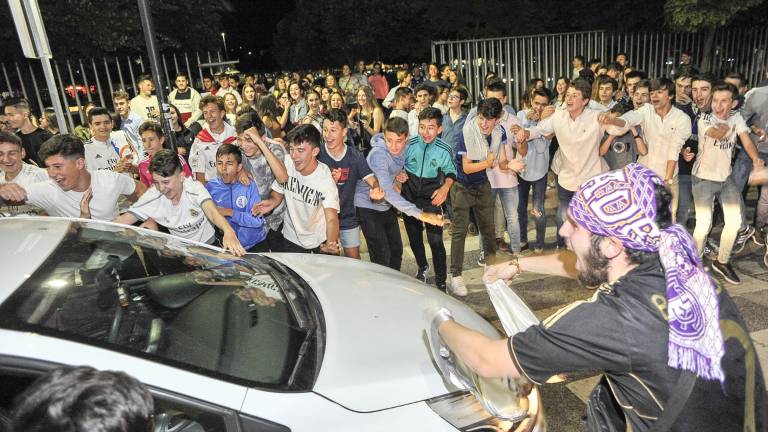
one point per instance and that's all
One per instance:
(311, 223)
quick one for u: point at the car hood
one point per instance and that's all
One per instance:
(376, 355)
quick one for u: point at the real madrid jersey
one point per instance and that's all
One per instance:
(28, 175)
(101, 155)
(186, 219)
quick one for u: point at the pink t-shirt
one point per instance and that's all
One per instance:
(146, 177)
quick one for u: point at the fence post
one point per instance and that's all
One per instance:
(98, 83)
(85, 82)
(74, 89)
(21, 81)
(37, 89)
(64, 97)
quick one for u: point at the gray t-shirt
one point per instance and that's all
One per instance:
(264, 177)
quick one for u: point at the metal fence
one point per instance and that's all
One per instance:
(93, 80)
(518, 59)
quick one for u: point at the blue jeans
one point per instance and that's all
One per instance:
(563, 200)
(509, 198)
(685, 199)
(539, 192)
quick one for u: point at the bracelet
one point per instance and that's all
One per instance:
(515, 261)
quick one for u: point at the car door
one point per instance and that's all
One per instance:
(174, 412)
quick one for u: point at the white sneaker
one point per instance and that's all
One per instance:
(458, 287)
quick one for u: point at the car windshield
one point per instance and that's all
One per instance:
(245, 320)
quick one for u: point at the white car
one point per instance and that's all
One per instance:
(275, 342)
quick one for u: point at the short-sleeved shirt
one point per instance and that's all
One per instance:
(353, 168)
(537, 158)
(468, 180)
(107, 187)
(713, 162)
(186, 219)
(622, 331)
(101, 155)
(32, 142)
(264, 177)
(28, 175)
(306, 197)
(202, 157)
(145, 107)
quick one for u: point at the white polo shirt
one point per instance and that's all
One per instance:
(578, 158)
(665, 137)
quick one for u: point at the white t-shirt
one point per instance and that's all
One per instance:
(147, 108)
(186, 220)
(100, 155)
(713, 160)
(306, 197)
(202, 157)
(107, 187)
(28, 175)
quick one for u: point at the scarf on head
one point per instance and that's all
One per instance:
(622, 204)
(477, 143)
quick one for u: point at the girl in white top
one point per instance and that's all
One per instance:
(230, 106)
(181, 204)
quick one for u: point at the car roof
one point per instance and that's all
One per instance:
(26, 246)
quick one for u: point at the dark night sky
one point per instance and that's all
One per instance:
(251, 25)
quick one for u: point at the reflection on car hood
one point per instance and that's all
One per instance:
(376, 354)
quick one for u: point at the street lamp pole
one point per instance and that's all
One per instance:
(154, 65)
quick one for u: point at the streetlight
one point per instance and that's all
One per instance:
(224, 40)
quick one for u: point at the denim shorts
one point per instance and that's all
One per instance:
(350, 238)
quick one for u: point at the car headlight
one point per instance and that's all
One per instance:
(464, 412)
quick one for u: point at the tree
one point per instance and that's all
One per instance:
(94, 28)
(705, 15)
(331, 33)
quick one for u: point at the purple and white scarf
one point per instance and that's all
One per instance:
(622, 204)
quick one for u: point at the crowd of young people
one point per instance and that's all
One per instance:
(316, 163)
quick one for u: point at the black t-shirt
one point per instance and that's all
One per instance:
(32, 142)
(685, 168)
(622, 331)
(354, 168)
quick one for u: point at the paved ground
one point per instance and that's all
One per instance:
(564, 403)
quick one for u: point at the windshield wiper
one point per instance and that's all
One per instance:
(290, 287)
(303, 317)
(302, 354)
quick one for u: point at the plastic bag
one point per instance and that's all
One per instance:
(514, 314)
